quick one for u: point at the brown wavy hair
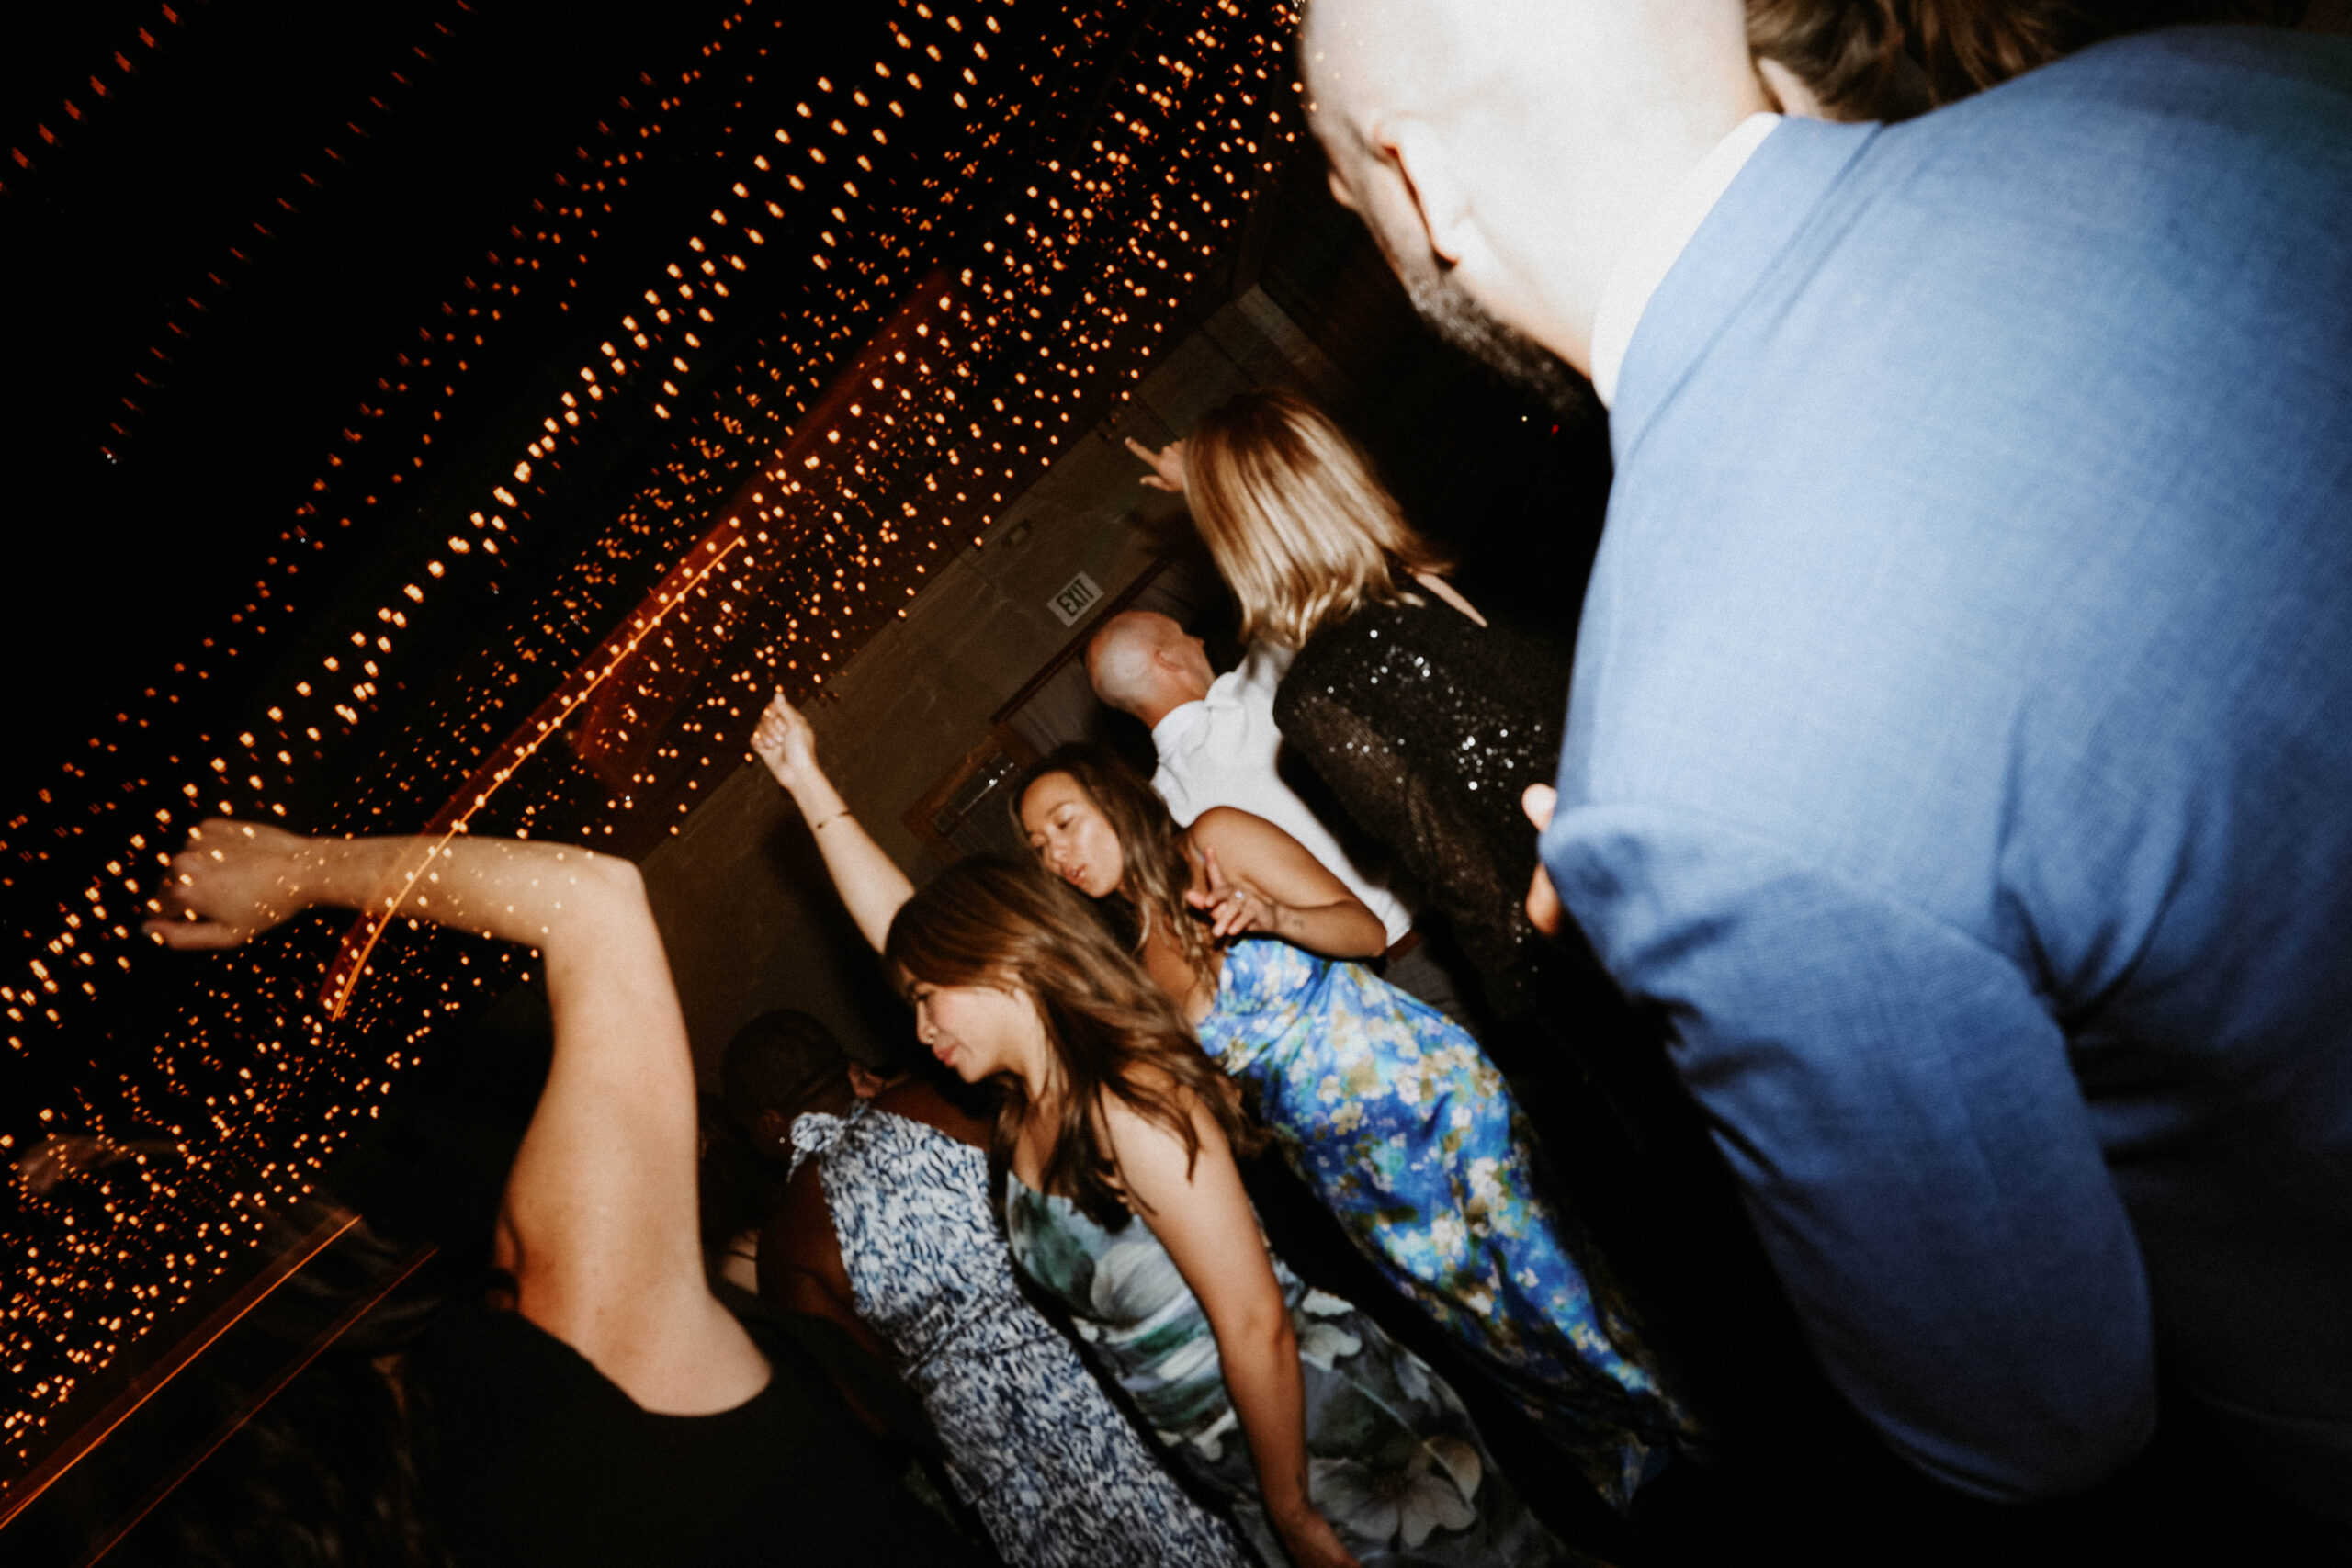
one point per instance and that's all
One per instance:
(1890, 59)
(1155, 873)
(1115, 1033)
(1301, 528)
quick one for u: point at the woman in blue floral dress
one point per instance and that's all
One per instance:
(1386, 1108)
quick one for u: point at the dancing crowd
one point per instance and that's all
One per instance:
(1956, 768)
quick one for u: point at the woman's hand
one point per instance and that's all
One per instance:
(786, 741)
(1166, 464)
(233, 881)
(869, 882)
(1543, 911)
(1234, 905)
(1309, 1539)
(1280, 889)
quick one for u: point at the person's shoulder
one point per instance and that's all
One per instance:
(1131, 1127)
(916, 1101)
(1340, 645)
(1222, 825)
(2218, 54)
(480, 1357)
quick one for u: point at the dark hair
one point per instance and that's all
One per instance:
(1155, 873)
(1850, 53)
(1889, 59)
(1112, 1031)
(779, 1060)
(333, 1470)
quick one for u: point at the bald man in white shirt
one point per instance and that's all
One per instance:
(1218, 746)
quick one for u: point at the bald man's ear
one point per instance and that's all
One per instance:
(1439, 199)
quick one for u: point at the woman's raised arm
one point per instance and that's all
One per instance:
(598, 1224)
(868, 881)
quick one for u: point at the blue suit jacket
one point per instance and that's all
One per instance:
(1961, 747)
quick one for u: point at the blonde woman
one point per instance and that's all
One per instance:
(1427, 722)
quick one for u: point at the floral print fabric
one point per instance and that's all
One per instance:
(1394, 1462)
(1394, 1116)
(1059, 1477)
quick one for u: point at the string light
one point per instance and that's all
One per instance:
(904, 292)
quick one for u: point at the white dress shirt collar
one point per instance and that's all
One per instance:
(1642, 265)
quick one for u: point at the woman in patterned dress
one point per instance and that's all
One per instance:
(1388, 1110)
(1333, 1445)
(885, 1228)
(1329, 1442)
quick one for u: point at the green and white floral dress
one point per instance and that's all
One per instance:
(1394, 1462)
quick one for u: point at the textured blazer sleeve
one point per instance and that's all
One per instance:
(1897, 1103)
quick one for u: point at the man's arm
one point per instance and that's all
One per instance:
(1898, 1107)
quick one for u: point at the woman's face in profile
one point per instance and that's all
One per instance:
(976, 1031)
(1071, 836)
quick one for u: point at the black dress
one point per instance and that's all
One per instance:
(534, 1456)
(1428, 726)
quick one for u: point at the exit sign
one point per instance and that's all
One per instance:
(1075, 599)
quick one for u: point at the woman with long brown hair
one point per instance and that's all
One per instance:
(1330, 1443)
(1388, 1110)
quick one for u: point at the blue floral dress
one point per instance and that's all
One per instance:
(1393, 1460)
(1392, 1114)
(1059, 1476)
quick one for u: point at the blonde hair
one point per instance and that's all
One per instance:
(1301, 530)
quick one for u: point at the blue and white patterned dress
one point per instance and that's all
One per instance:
(1061, 1478)
(1397, 1120)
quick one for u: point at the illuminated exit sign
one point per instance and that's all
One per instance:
(1075, 599)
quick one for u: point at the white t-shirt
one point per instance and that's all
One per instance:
(1221, 751)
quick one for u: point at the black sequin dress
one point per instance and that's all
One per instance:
(1428, 726)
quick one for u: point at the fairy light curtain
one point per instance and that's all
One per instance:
(891, 295)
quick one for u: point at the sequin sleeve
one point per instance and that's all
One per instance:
(1427, 728)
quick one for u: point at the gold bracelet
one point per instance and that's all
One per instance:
(820, 827)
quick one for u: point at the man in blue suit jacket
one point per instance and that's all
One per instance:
(1960, 745)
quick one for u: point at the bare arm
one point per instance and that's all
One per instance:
(1203, 1218)
(1262, 879)
(598, 1224)
(869, 881)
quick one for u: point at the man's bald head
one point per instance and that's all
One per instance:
(1504, 151)
(1141, 662)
